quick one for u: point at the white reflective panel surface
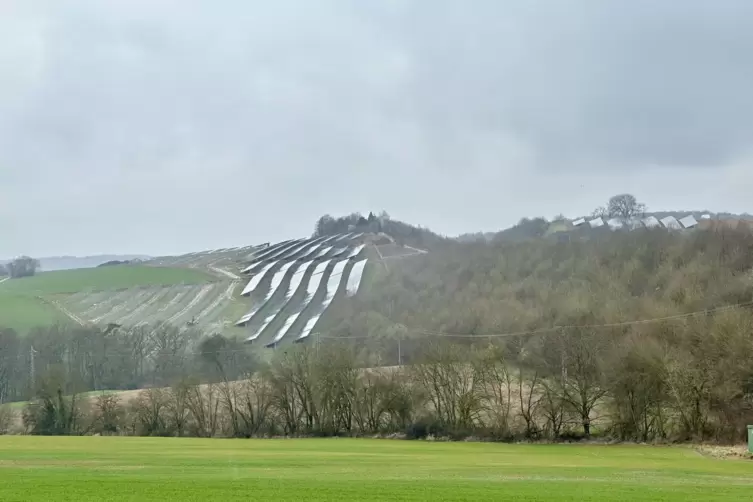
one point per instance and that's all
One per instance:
(339, 252)
(322, 252)
(295, 281)
(284, 329)
(334, 281)
(316, 279)
(689, 221)
(278, 278)
(671, 223)
(257, 278)
(356, 250)
(282, 252)
(276, 281)
(297, 249)
(312, 252)
(615, 224)
(354, 280)
(313, 285)
(269, 251)
(309, 326)
(334, 238)
(261, 328)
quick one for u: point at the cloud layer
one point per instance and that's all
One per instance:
(165, 126)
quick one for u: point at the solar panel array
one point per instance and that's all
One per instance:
(301, 271)
(295, 282)
(668, 222)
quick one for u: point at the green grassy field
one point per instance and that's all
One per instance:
(100, 468)
(22, 312)
(95, 279)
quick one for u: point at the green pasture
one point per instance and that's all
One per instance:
(22, 312)
(101, 278)
(120, 468)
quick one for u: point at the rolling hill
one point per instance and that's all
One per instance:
(53, 263)
(277, 293)
(653, 311)
(268, 294)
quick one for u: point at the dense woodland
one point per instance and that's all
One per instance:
(643, 336)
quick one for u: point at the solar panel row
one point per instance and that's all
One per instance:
(300, 255)
(669, 222)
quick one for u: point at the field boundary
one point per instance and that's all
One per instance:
(70, 315)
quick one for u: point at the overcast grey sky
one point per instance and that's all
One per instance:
(148, 126)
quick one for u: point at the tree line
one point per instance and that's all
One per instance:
(23, 266)
(666, 382)
(113, 358)
(403, 233)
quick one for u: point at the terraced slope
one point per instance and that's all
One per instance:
(291, 285)
(270, 295)
(101, 278)
(85, 295)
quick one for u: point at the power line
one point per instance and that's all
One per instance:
(553, 329)
(432, 333)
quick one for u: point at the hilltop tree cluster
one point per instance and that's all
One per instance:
(402, 233)
(23, 266)
(624, 207)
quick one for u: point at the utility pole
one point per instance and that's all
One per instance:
(399, 352)
(563, 366)
(33, 373)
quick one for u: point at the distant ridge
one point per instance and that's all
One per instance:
(50, 263)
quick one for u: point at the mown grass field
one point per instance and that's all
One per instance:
(22, 312)
(100, 468)
(102, 278)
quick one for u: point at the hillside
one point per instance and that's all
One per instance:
(41, 300)
(479, 288)
(471, 285)
(593, 322)
(208, 290)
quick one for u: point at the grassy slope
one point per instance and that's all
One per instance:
(100, 468)
(72, 281)
(21, 309)
(25, 312)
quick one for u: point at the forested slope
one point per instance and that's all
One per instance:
(649, 332)
(485, 288)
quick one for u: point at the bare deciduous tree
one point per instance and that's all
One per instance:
(625, 207)
(583, 386)
(107, 414)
